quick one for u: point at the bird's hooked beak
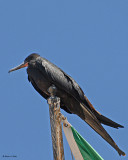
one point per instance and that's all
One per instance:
(19, 67)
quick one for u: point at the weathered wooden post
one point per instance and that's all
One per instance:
(55, 121)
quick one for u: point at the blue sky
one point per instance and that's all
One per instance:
(89, 41)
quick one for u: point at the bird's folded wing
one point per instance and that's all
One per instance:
(60, 79)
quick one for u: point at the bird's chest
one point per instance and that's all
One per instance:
(41, 80)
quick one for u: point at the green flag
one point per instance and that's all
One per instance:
(80, 148)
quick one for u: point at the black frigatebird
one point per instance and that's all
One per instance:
(42, 74)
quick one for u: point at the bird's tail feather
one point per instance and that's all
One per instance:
(100, 117)
(91, 119)
(107, 121)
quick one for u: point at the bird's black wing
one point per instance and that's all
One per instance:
(60, 79)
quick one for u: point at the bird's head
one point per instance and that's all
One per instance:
(26, 62)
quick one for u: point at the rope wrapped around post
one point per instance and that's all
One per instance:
(55, 121)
